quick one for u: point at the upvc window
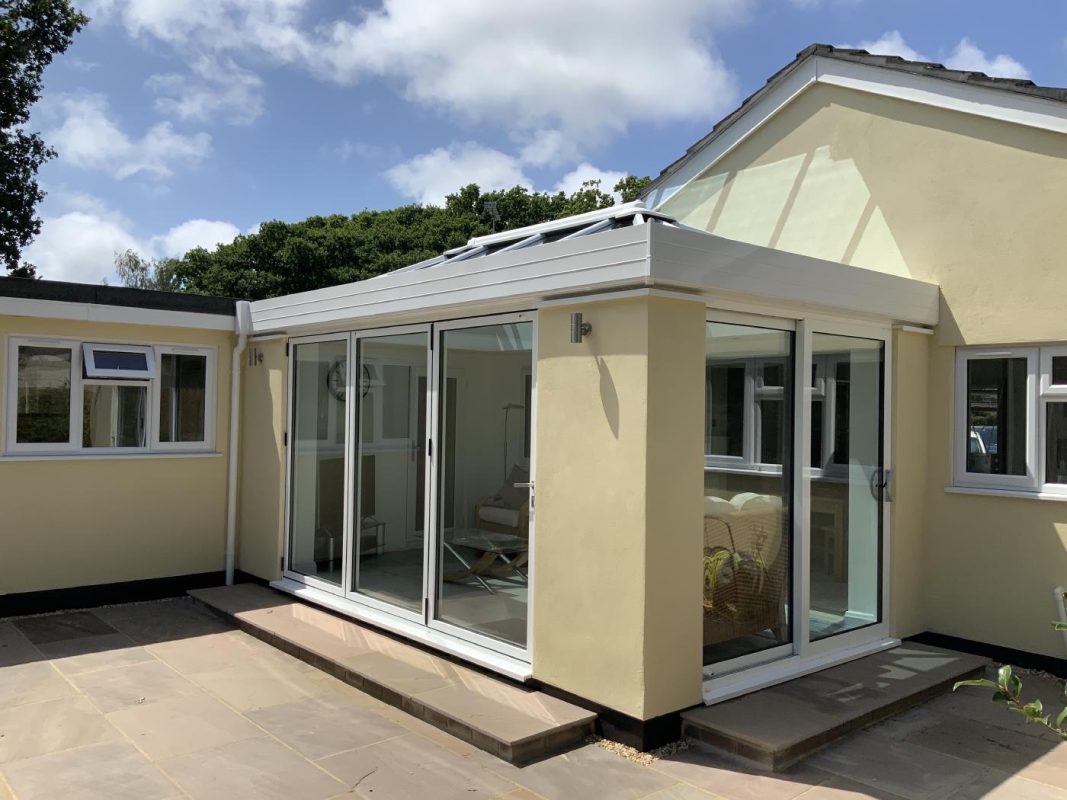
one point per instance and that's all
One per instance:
(97, 398)
(1001, 394)
(746, 413)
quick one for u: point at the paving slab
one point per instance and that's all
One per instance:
(505, 719)
(779, 725)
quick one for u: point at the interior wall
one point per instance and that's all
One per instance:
(961, 201)
(261, 487)
(78, 522)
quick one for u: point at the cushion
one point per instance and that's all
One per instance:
(761, 502)
(501, 516)
(717, 507)
(510, 496)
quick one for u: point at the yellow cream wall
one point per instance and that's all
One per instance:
(971, 204)
(261, 486)
(619, 471)
(68, 523)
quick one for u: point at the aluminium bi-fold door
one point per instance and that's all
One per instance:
(410, 463)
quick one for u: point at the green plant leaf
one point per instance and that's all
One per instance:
(1004, 676)
(1033, 709)
(1061, 717)
(1003, 697)
(985, 683)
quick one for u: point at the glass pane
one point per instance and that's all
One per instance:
(120, 360)
(846, 509)
(484, 517)
(1059, 370)
(316, 494)
(817, 410)
(996, 416)
(43, 403)
(391, 464)
(182, 392)
(114, 416)
(1056, 443)
(747, 531)
(725, 417)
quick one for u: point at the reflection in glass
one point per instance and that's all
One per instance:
(996, 415)
(1056, 443)
(747, 479)
(316, 499)
(43, 402)
(182, 388)
(483, 516)
(114, 415)
(846, 509)
(390, 465)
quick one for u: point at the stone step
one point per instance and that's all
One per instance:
(780, 725)
(503, 718)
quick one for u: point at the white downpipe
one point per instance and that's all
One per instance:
(243, 325)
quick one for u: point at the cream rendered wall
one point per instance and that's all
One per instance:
(69, 522)
(261, 487)
(965, 202)
(617, 547)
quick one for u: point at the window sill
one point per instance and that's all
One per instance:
(107, 456)
(1022, 495)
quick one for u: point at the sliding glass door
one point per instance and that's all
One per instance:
(794, 490)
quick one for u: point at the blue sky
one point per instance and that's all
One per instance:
(185, 122)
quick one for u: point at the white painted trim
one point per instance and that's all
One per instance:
(211, 396)
(1020, 495)
(736, 684)
(914, 329)
(495, 662)
(93, 312)
(110, 454)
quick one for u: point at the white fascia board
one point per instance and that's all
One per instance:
(967, 98)
(604, 260)
(713, 265)
(92, 312)
(748, 123)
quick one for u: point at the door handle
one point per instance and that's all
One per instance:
(880, 485)
(527, 485)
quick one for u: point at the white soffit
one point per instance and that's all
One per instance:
(983, 101)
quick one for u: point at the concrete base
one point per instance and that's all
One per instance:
(780, 725)
(507, 720)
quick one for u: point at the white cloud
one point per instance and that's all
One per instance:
(206, 233)
(890, 43)
(572, 181)
(429, 177)
(79, 239)
(216, 87)
(87, 137)
(965, 56)
(588, 68)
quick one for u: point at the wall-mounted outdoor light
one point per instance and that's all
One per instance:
(579, 329)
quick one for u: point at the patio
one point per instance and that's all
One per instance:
(165, 700)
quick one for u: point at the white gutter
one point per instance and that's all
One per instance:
(242, 327)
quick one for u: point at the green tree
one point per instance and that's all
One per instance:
(138, 272)
(32, 32)
(630, 187)
(285, 257)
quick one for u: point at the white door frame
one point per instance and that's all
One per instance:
(290, 451)
(737, 676)
(352, 499)
(432, 573)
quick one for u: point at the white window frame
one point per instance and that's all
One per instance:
(109, 449)
(210, 398)
(751, 432)
(11, 428)
(92, 371)
(78, 348)
(1031, 481)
